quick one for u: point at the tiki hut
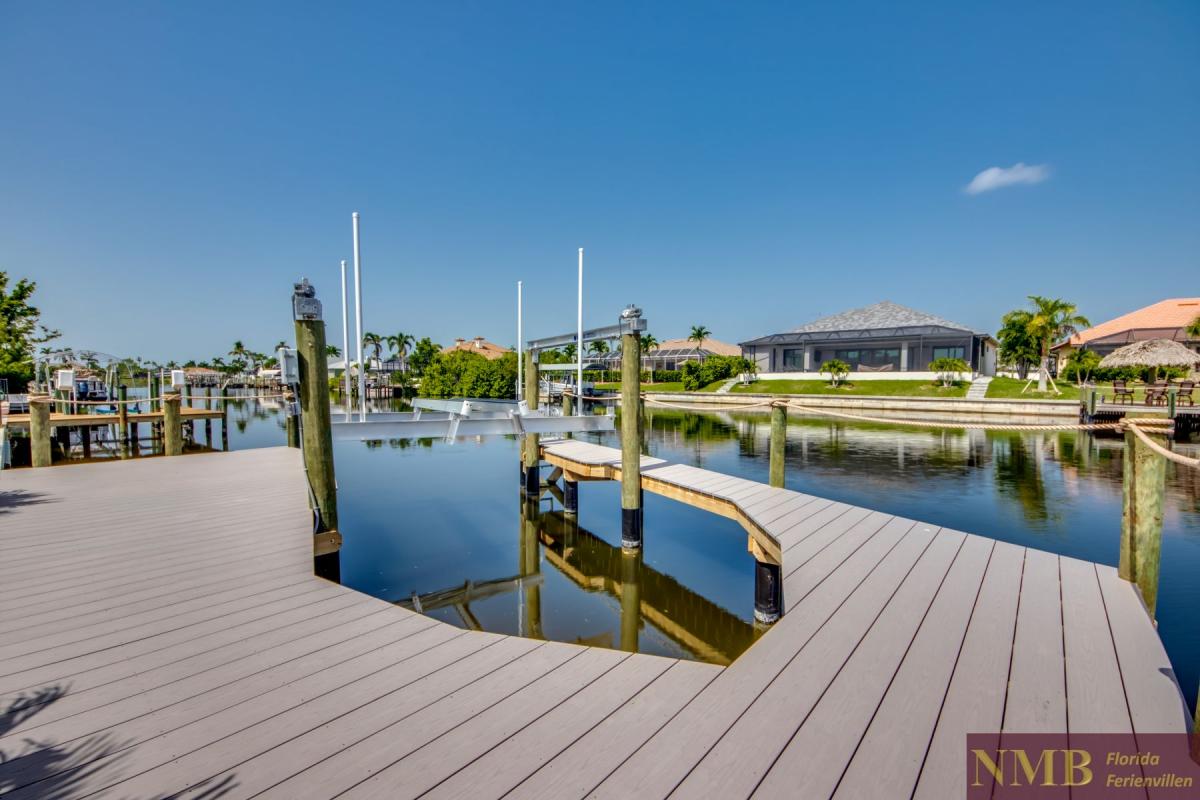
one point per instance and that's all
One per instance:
(1152, 354)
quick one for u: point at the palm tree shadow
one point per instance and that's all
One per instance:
(16, 498)
(61, 771)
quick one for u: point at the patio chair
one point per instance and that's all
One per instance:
(1121, 392)
(1185, 393)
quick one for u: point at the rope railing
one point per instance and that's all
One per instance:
(1170, 455)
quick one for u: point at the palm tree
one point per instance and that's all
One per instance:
(648, 343)
(1053, 319)
(373, 341)
(332, 351)
(280, 345)
(399, 344)
(569, 352)
(240, 355)
(699, 334)
(598, 347)
(1193, 329)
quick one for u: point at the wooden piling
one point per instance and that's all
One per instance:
(570, 495)
(172, 427)
(208, 434)
(1142, 491)
(123, 419)
(315, 425)
(85, 440)
(778, 440)
(39, 430)
(631, 441)
(224, 423)
(531, 455)
(293, 431)
(568, 406)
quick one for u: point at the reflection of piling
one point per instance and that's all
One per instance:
(533, 478)
(631, 599)
(39, 430)
(172, 428)
(527, 568)
(315, 423)
(631, 440)
(1142, 493)
(778, 441)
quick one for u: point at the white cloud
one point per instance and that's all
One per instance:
(999, 177)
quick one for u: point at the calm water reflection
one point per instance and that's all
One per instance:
(435, 519)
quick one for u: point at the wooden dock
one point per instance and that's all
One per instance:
(163, 635)
(59, 420)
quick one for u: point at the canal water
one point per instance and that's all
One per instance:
(446, 523)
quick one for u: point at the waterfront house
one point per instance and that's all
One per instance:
(880, 341)
(1166, 319)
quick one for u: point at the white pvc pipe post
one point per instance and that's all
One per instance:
(579, 343)
(346, 345)
(520, 349)
(358, 325)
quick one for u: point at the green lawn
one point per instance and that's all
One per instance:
(922, 388)
(1010, 389)
(658, 387)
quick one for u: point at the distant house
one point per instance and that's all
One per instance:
(202, 376)
(483, 347)
(672, 353)
(881, 340)
(1166, 319)
(668, 355)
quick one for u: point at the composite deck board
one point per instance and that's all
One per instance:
(162, 633)
(914, 698)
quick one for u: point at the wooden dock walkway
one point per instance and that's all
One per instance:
(162, 634)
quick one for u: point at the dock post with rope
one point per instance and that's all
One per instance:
(1142, 492)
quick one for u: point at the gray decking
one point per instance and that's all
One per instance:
(161, 631)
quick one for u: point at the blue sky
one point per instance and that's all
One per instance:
(168, 169)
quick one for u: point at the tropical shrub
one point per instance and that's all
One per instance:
(460, 373)
(948, 369)
(837, 370)
(1080, 365)
(696, 375)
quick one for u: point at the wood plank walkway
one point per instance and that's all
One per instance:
(162, 634)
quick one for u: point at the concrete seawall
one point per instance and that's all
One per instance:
(897, 406)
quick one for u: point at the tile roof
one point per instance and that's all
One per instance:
(1173, 313)
(880, 315)
(478, 345)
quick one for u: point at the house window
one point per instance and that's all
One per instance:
(949, 352)
(872, 358)
(793, 359)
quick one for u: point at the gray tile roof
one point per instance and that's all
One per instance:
(879, 315)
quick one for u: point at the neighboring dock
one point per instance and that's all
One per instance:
(152, 647)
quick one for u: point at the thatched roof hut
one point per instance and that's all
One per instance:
(1152, 353)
